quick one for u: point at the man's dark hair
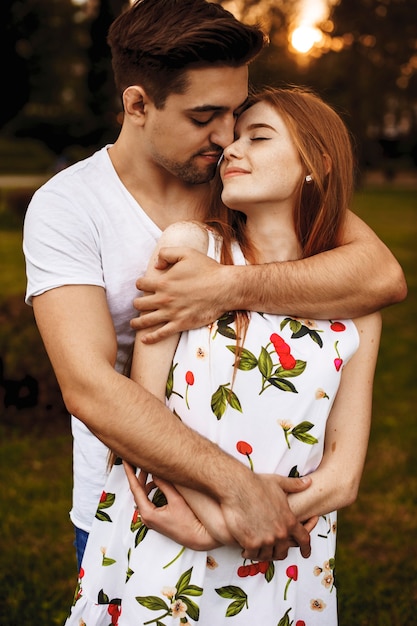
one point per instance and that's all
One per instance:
(155, 42)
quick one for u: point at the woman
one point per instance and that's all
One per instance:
(268, 389)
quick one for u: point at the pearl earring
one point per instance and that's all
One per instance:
(309, 178)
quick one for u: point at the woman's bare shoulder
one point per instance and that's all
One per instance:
(190, 233)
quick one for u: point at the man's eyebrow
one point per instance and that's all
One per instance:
(207, 108)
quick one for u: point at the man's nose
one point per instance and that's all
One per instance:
(223, 134)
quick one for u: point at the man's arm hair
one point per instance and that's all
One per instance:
(359, 277)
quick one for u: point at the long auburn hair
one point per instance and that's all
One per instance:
(325, 148)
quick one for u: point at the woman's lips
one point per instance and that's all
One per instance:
(233, 171)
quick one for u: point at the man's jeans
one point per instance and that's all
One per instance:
(80, 542)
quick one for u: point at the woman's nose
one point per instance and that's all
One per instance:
(232, 150)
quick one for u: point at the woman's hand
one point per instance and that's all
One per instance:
(175, 519)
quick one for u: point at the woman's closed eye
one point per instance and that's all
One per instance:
(260, 138)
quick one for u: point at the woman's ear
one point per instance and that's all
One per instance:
(327, 163)
(134, 102)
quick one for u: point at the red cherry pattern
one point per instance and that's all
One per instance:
(252, 569)
(337, 327)
(283, 351)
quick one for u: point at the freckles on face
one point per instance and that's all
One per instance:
(263, 164)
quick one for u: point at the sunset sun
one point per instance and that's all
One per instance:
(304, 37)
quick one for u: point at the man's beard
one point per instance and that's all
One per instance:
(189, 172)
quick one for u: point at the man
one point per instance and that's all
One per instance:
(181, 67)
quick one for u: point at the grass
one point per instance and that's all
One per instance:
(377, 553)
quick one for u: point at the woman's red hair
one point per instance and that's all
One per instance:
(325, 149)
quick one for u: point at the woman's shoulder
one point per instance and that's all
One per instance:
(369, 326)
(188, 233)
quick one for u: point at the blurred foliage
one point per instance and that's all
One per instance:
(63, 92)
(59, 60)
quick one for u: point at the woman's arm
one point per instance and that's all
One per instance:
(336, 481)
(150, 368)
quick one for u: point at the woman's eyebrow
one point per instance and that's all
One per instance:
(261, 125)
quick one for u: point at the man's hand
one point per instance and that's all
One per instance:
(274, 531)
(189, 292)
(262, 521)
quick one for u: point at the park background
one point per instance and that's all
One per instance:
(58, 105)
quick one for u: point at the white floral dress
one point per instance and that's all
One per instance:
(272, 418)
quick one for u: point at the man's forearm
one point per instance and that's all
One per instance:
(142, 430)
(346, 282)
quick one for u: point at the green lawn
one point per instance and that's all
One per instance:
(377, 550)
(377, 553)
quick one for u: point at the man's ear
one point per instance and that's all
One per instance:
(135, 99)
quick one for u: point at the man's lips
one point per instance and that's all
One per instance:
(211, 156)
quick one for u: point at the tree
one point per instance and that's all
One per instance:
(368, 68)
(14, 72)
(70, 97)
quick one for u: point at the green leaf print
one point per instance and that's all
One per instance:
(235, 607)
(103, 598)
(141, 534)
(106, 501)
(247, 361)
(170, 381)
(284, 385)
(294, 473)
(153, 603)
(295, 325)
(136, 524)
(103, 517)
(300, 330)
(169, 390)
(183, 581)
(269, 574)
(300, 432)
(239, 597)
(159, 498)
(231, 591)
(265, 363)
(129, 573)
(219, 402)
(285, 620)
(193, 609)
(307, 331)
(295, 371)
(223, 327)
(179, 603)
(192, 590)
(221, 398)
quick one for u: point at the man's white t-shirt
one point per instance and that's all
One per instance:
(84, 228)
